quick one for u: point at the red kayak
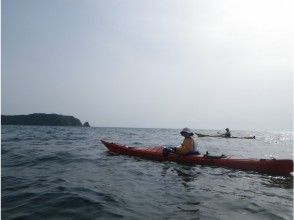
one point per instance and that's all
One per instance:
(269, 166)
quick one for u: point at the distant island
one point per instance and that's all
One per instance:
(42, 119)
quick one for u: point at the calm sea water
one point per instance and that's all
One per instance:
(66, 173)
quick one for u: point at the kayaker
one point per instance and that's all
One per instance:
(189, 145)
(227, 134)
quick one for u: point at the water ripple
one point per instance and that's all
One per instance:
(66, 173)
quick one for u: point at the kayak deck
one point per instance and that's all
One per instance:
(269, 166)
(221, 136)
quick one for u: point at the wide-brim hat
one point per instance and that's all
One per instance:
(186, 131)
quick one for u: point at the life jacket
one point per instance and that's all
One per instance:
(195, 151)
(184, 150)
(228, 134)
(194, 145)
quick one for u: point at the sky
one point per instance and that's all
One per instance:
(203, 64)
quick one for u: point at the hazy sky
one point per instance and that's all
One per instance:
(169, 64)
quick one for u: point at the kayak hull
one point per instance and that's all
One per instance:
(221, 136)
(268, 166)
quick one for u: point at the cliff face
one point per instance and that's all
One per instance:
(40, 119)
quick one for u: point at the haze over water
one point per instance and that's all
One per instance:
(166, 64)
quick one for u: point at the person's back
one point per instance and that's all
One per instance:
(228, 133)
(186, 147)
(189, 145)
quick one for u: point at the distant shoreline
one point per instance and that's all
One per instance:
(42, 119)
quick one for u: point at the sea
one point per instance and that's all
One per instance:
(66, 173)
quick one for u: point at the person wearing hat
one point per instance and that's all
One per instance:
(189, 145)
(227, 134)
